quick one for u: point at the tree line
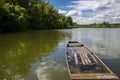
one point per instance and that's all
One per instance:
(20, 15)
(104, 24)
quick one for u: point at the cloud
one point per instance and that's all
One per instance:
(62, 11)
(94, 11)
(74, 13)
(83, 5)
(92, 4)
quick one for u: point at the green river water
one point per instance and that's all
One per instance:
(40, 55)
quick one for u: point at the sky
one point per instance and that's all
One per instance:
(89, 11)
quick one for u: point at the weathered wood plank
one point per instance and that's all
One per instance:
(89, 62)
(85, 59)
(83, 62)
(76, 59)
(103, 76)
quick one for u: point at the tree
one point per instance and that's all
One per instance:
(69, 21)
(8, 23)
(39, 15)
(105, 24)
(22, 3)
(1, 2)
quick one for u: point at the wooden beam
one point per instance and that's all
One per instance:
(76, 59)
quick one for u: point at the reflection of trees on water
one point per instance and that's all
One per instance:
(19, 51)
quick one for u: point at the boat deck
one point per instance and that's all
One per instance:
(80, 59)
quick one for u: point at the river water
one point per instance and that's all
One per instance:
(40, 55)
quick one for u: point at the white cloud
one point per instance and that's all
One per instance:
(92, 4)
(74, 13)
(101, 10)
(62, 11)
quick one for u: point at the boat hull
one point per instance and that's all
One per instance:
(83, 64)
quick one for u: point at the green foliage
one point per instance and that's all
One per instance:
(101, 25)
(8, 23)
(22, 3)
(39, 15)
(2, 2)
(12, 18)
(69, 20)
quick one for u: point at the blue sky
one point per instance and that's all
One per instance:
(89, 11)
(60, 4)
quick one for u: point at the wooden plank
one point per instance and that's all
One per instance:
(73, 44)
(75, 55)
(83, 62)
(93, 57)
(86, 63)
(97, 76)
(88, 52)
(76, 59)
(85, 59)
(89, 62)
(103, 64)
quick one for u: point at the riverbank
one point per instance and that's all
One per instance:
(101, 25)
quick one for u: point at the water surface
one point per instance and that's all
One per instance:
(40, 55)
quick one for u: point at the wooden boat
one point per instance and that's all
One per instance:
(83, 64)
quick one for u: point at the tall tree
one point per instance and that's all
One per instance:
(69, 20)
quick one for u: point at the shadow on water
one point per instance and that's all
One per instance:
(18, 51)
